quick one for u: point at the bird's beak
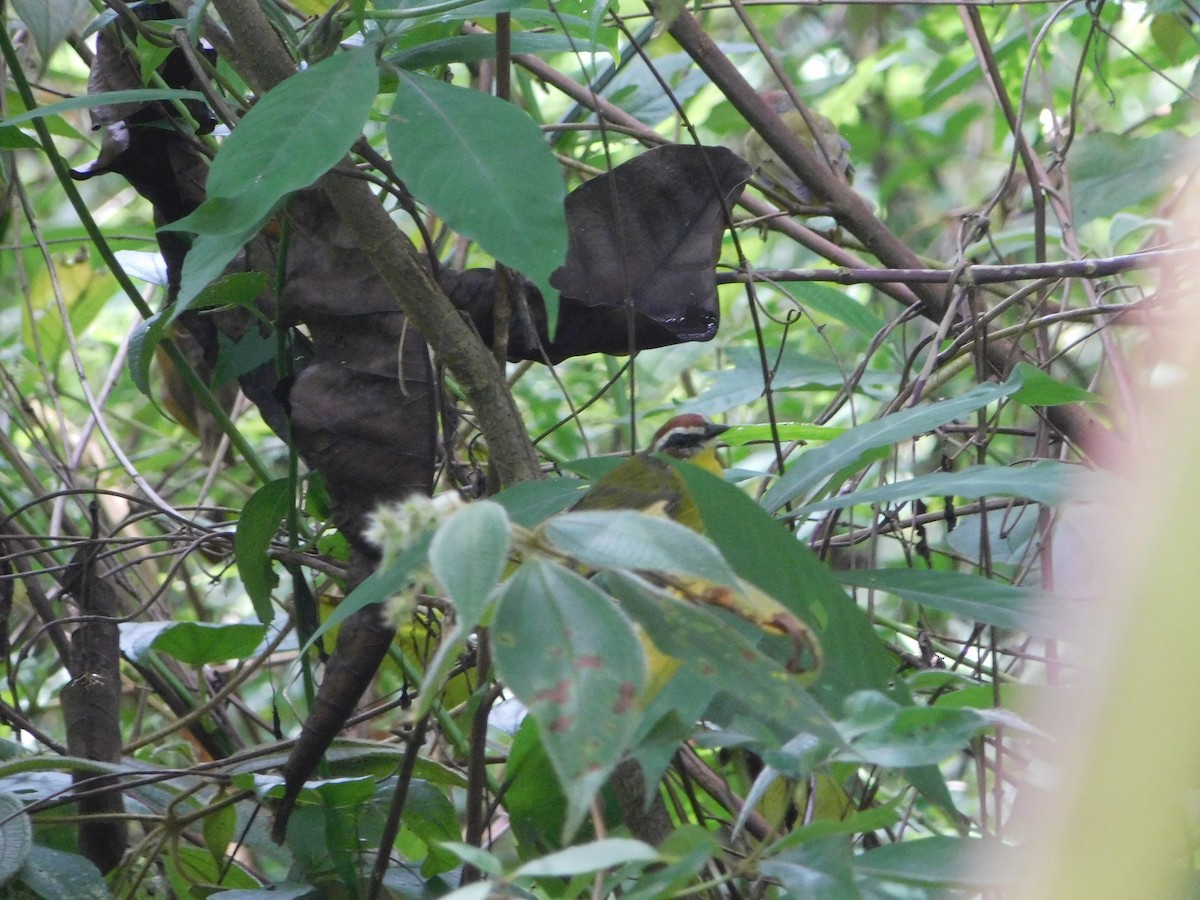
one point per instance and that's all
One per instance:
(714, 429)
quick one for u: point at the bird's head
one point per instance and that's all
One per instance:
(692, 438)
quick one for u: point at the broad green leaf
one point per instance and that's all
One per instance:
(939, 861)
(480, 890)
(708, 650)
(467, 555)
(590, 857)
(765, 553)
(282, 891)
(290, 138)
(477, 47)
(50, 21)
(532, 502)
(686, 851)
(627, 539)
(973, 597)
(571, 656)
(186, 866)
(146, 336)
(1045, 481)
(881, 732)
(477, 857)
(234, 289)
(819, 869)
(1039, 389)
(12, 138)
(200, 643)
(505, 194)
(1115, 172)
(207, 259)
(837, 304)
(534, 800)
(429, 814)
(257, 527)
(219, 827)
(16, 836)
(55, 873)
(814, 466)
(742, 383)
(141, 95)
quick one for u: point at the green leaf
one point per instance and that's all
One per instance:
(571, 656)
(200, 643)
(256, 529)
(291, 137)
(971, 596)
(817, 870)
(532, 502)
(837, 304)
(477, 857)
(477, 47)
(12, 138)
(282, 891)
(534, 800)
(590, 857)
(141, 95)
(234, 289)
(295, 134)
(146, 337)
(50, 21)
(686, 851)
(627, 539)
(765, 553)
(881, 732)
(467, 555)
(820, 463)
(207, 259)
(54, 873)
(1046, 481)
(1039, 389)
(743, 382)
(16, 836)
(219, 827)
(1115, 172)
(711, 652)
(430, 815)
(505, 194)
(939, 861)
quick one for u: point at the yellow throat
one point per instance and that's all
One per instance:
(645, 482)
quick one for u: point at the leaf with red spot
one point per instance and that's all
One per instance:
(572, 657)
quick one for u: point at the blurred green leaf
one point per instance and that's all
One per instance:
(973, 597)
(1046, 481)
(627, 539)
(591, 857)
(468, 553)
(813, 467)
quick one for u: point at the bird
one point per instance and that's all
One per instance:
(647, 482)
(829, 145)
